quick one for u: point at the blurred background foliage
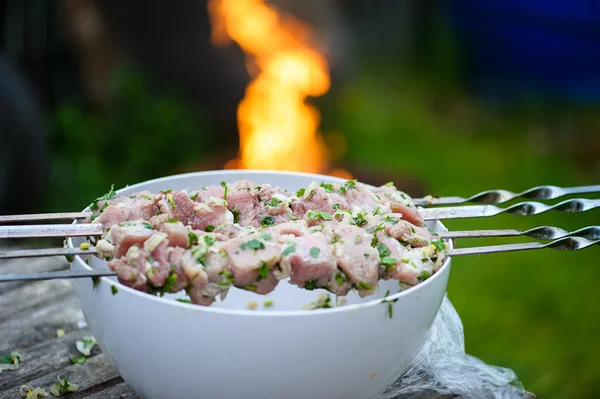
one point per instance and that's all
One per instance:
(408, 104)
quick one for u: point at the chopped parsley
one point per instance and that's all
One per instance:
(183, 300)
(404, 260)
(253, 244)
(273, 202)
(357, 239)
(268, 221)
(424, 276)
(63, 387)
(439, 244)
(236, 215)
(340, 278)
(392, 219)
(263, 271)
(314, 252)
(268, 303)
(390, 308)
(376, 211)
(291, 248)
(374, 229)
(366, 256)
(405, 282)
(224, 185)
(311, 194)
(166, 191)
(364, 286)
(95, 215)
(383, 250)
(194, 196)
(77, 360)
(174, 220)
(359, 220)
(310, 284)
(336, 238)
(106, 197)
(209, 240)
(336, 207)
(349, 185)
(300, 192)
(114, 289)
(327, 187)
(258, 188)
(147, 197)
(193, 238)
(316, 214)
(168, 285)
(148, 225)
(250, 287)
(389, 184)
(96, 282)
(171, 201)
(209, 228)
(226, 274)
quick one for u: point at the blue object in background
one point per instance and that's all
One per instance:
(530, 48)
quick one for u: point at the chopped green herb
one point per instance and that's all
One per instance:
(223, 253)
(193, 238)
(268, 303)
(114, 290)
(389, 262)
(224, 185)
(96, 282)
(85, 345)
(310, 284)
(106, 197)
(314, 252)
(250, 287)
(376, 211)
(13, 358)
(263, 271)
(383, 250)
(311, 194)
(404, 260)
(148, 225)
(392, 219)
(63, 387)
(374, 229)
(405, 282)
(236, 215)
(350, 184)
(95, 215)
(327, 187)
(174, 220)
(424, 276)
(364, 286)
(366, 256)
(389, 184)
(342, 189)
(209, 228)
(226, 274)
(209, 240)
(194, 196)
(258, 188)
(273, 202)
(168, 285)
(336, 207)
(339, 278)
(268, 221)
(290, 249)
(77, 360)
(336, 238)
(253, 244)
(439, 244)
(357, 239)
(171, 201)
(166, 191)
(316, 214)
(183, 300)
(359, 220)
(300, 192)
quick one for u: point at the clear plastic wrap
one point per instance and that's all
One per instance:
(443, 368)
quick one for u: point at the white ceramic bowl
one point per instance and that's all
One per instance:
(166, 349)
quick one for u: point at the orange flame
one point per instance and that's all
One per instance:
(278, 130)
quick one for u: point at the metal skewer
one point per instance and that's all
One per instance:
(539, 193)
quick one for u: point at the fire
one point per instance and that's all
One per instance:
(278, 129)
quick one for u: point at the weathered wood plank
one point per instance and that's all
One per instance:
(114, 389)
(95, 371)
(37, 325)
(33, 296)
(46, 357)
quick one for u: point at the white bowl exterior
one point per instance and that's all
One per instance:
(166, 349)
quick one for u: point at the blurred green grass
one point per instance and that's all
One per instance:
(534, 312)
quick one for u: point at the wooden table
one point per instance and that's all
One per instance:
(30, 315)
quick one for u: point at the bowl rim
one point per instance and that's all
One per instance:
(247, 312)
